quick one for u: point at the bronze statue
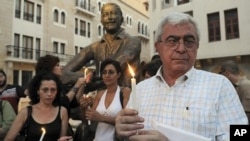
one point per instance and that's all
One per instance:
(115, 44)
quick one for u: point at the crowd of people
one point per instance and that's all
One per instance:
(172, 91)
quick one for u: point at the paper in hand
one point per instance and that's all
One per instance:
(175, 134)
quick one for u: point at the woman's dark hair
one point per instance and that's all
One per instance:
(115, 63)
(47, 63)
(36, 83)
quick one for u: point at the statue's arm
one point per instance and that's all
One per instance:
(71, 70)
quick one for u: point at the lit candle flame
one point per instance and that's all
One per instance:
(43, 134)
(133, 87)
(131, 71)
(43, 130)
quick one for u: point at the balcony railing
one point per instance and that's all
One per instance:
(28, 16)
(144, 35)
(18, 13)
(85, 7)
(29, 54)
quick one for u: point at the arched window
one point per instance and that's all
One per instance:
(99, 30)
(139, 27)
(103, 30)
(142, 29)
(99, 6)
(130, 21)
(56, 15)
(62, 18)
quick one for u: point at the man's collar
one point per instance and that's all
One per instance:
(183, 78)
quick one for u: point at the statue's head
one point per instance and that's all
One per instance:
(111, 17)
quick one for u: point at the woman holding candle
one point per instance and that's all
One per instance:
(44, 92)
(106, 104)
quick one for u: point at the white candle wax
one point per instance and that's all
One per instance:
(133, 93)
(89, 122)
(43, 134)
(133, 87)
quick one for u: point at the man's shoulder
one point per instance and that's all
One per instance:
(133, 40)
(95, 43)
(149, 81)
(10, 86)
(203, 74)
(244, 82)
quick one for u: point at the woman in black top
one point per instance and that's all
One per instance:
(44, 92)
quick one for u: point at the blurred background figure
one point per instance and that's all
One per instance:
(151, 68)
(9, 92)
(231, 70)
(7, 116)
(155, 57)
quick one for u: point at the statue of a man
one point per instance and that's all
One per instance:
(115, 44)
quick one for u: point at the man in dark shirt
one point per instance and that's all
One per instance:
(115, 44)
(11, 93)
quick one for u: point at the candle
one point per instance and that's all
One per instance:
(43, 134)
(89, 122)
(85, 72)
(133, 87)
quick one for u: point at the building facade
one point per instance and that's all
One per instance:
(32, 28)
(223, 25)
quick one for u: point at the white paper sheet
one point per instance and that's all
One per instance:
(175, 134)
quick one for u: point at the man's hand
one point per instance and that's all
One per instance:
(148, 135)
(127, 123)
(86, 101)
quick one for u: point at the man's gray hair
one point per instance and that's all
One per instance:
(173, 19)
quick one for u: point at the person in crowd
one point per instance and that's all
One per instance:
(151, 68)
(69, 98)
(44, 92)
(115, 44)
(9, 92)
(179, 95)
(231, 70)
(7, 116)
(108, 102)
(155, 57)
(51, 63)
